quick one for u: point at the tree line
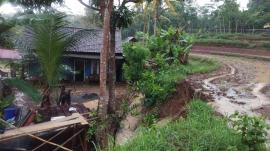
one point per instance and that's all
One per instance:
(219, 16)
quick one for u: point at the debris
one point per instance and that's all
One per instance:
(91, 105)
(9, 113)
(67, 133)
(57, 118)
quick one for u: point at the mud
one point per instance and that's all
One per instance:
(243, 88)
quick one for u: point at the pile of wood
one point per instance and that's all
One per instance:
(67, 133)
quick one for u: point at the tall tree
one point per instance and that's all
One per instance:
(120, 18)
(157, 7)
(260, 9)
(106, 9)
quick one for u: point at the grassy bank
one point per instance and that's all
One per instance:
(201, 130)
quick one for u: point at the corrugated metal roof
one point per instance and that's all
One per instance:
(9, 54)
(89, 40)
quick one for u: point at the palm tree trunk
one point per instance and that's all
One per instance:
(224, 25)
(144, 19)
(236, 27)
(157, 3)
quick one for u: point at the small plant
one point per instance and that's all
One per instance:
(92, 129)
(38, 118)
(92, 126)
(150, 119)
(124, 107)
(253, 130)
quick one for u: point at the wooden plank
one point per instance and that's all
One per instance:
(33, 129)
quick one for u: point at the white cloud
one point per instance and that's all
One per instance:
(243, 3)
(75, 7)
(72, 7)
(8, 9)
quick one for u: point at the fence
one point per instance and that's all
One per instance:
(226, 30)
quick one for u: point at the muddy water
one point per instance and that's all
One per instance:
(240, 89)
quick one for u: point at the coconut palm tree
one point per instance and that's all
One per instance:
(49, 43)
(157, 4)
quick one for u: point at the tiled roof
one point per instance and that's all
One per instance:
(89, 40)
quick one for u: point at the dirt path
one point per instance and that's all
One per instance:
(243, 85)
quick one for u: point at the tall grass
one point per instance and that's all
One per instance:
(201, 130)
(226, 42)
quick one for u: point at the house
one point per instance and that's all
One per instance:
(81, 62)
(9, 55)
(83, 59)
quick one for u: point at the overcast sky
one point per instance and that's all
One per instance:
(74, 7)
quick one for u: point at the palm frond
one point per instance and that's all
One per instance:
(49, 43)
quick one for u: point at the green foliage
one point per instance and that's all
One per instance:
(224, 42)
(201, 130)
(157, 86)
(124, 107)
(153, 89)
(93, 126)
(49, 42)
(178, 43)
(135, 56)
(156, 64)
(253, 130)
(122, 17)
(234, 40)
(25, 87)
(150, 119)
(33, 4)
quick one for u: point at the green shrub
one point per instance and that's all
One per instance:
(157, 86)
(135, 56)
(253, 130)
(155, 65)
(201, 130)
(150, 119)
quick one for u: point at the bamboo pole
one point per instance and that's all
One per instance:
(49, 139)
(69, 139)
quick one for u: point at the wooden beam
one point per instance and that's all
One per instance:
(40, 139)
